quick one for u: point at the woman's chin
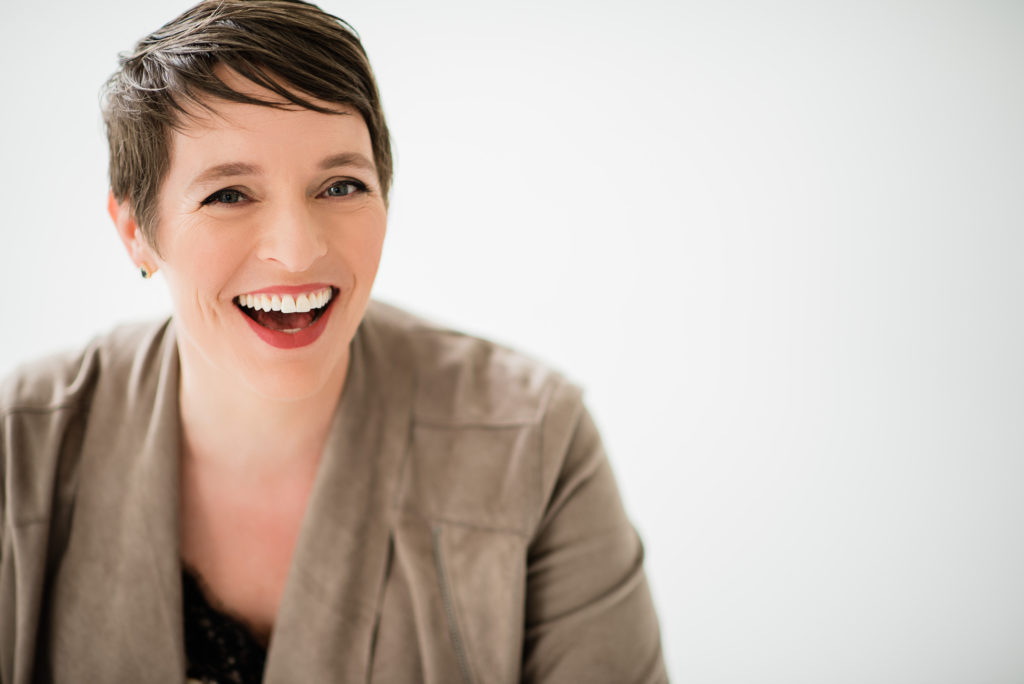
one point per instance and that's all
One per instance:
(251, 367)
(297, 380)
(292, 366)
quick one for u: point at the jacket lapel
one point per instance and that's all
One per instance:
(326, 625)
(117, 591)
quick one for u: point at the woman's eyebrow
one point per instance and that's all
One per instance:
(244, 169)
(226, 170)
(348, 159)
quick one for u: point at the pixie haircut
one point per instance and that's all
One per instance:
(290, 47)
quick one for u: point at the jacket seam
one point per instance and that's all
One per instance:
(449, 607)
(11, 410)
(408, 510)
(482, 425)
(379, 611)
(28, 522)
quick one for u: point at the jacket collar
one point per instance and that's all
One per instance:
(116, 601)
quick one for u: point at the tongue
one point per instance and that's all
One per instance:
(275, 320)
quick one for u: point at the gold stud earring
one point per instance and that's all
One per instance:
(146, 271)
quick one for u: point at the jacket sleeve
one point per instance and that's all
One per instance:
(3, 489)
(589, 613)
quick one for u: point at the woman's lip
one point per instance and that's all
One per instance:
(285, 340)
(290, 289)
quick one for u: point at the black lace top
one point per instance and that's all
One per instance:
(218, 648)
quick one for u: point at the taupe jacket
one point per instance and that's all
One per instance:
(464, 525)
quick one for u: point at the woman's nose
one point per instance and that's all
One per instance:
(292, 238)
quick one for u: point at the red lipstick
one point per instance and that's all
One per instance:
(292, 340)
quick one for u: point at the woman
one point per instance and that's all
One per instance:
(285, 481)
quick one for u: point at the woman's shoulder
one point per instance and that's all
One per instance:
(462, 379)
(492, 429)
(46, 406)
(65, 380)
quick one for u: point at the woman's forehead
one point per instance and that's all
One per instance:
(257, 136)
(219, 116)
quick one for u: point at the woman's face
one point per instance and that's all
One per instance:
(270, 208)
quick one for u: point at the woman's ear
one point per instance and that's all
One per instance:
(141, 254)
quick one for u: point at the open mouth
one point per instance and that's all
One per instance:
(286, 313)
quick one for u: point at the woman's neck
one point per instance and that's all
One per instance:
(229, 427)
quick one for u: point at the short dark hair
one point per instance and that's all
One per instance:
(290, 47)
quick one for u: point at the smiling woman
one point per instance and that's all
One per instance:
(285, 481)
(274, 200)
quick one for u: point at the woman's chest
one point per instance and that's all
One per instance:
(241, 547)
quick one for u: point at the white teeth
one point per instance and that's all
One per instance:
(287, 303)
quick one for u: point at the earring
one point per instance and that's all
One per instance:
(146, 271)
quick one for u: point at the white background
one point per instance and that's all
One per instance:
(779, 243)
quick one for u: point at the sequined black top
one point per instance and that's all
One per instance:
(218, 648)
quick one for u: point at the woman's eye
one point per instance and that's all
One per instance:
(344, 188)
(225, 197)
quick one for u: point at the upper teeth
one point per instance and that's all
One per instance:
(287, 303)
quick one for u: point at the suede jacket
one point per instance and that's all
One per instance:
(464, 524)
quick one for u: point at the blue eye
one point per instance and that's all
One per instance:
(345, 188)
(226, 196)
